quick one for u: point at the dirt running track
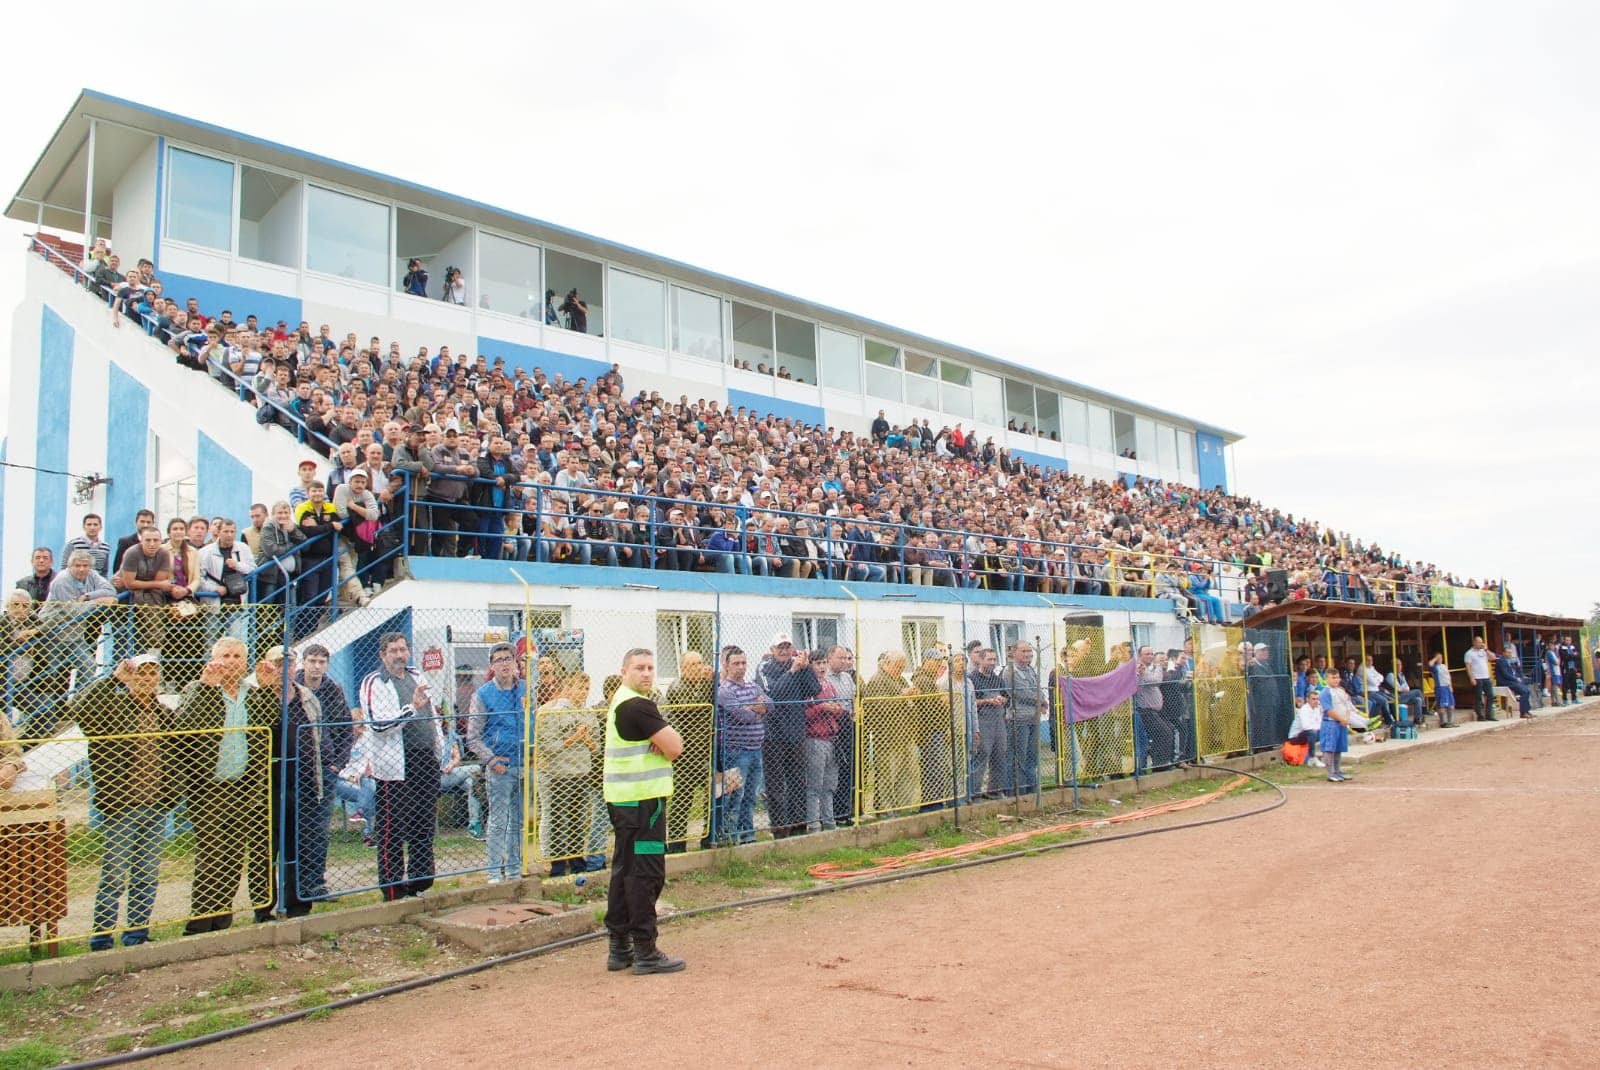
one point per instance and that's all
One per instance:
(1439, 911)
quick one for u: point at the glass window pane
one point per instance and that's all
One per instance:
(878, 353)
(638, 308)
(922, 391)
(1122, 432)
(957, 400)
(509, 281)
(1144, 439)
(269, 217)
(1186, 451)
(1019, 405)
(883, 382)
(797, 349)
(578, 300)
(1166, 446)
(752, 338)
(916, 362)
(697, 324)
(1074, 421)
(440, 246)
(958, 374)
(988, 407)
(200, 200)
(347, 236)
(1048, 402)
(1100, 436)
(841, 360)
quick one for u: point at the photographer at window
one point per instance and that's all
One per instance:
(576, 311)
(415, 282)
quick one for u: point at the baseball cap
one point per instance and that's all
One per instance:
(1261, 646)
(273, 653)
(933, 653)
(307, 464)
(780, 638)
(151, 658)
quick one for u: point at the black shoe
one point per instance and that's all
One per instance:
(648, 959)
(621, 956)
(1490, 717)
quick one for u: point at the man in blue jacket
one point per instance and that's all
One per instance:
(495, 734)
(1508, 674)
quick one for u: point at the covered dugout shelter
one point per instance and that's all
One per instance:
(1413, 634)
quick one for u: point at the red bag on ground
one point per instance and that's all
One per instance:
(1295, 753)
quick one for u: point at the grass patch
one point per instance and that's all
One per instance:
(119, 1044)
(419, 947)
(239, 984)
(18, 1008)
(33, 1055)
(319, 1016)
(214, 1022)
(313, 997)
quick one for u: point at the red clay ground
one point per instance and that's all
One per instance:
(1437, 911)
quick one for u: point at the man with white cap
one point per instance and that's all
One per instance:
(122, 720)
(789, 680)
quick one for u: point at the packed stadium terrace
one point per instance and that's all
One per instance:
(515, 464)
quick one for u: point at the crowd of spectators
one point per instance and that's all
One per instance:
(510, 462)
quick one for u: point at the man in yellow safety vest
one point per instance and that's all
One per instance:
(640, 749)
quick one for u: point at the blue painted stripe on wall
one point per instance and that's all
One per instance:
(1043, 460)
(161, 173)
(1213, 466)
(127, 439)
(57, 341)
(550, 361)
(268, 308)
(221, 481)
(764, 405)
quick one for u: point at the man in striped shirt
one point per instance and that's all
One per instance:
(91, 543)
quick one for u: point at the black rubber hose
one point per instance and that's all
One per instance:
(574, 941)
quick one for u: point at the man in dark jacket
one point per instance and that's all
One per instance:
(790, 681)
(132, 791)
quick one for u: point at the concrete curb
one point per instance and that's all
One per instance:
(26, 976)
(245, 936)
(1436, 737)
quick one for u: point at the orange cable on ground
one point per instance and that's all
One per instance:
(831, 870)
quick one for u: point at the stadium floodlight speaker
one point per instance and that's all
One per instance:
(1277, 584)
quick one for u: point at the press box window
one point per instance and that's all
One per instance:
(199, 200)
(347, 236)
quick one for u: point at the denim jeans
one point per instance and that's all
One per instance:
(131, 863)
(357, 797)
(736, 810)
(729, 561)
(1025, 753)
(462, 776)
(505, 823)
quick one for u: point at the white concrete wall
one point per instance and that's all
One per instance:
(133, 209)
(22, 427)
(183, 403)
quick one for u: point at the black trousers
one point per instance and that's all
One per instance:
(784, 767)
(407, 814)
(1483, 698)
(638, 867)
(844, 752)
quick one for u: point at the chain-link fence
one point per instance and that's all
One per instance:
(172, 768)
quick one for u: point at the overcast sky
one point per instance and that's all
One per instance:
(1363, 235)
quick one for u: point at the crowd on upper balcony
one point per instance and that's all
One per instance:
(494, 461)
